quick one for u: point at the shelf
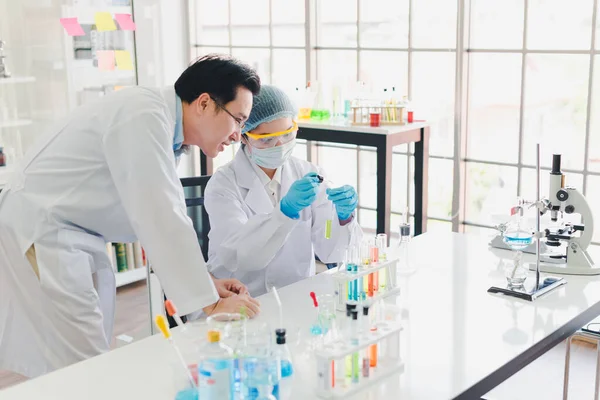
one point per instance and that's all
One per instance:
(127, 277)
(15, 123)
(4, 174)
(17, 79)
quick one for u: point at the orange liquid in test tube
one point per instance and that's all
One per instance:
(373, 352)
(371, 288)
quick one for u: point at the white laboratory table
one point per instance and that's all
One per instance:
(459, 341)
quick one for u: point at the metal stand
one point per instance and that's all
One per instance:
(531, 291)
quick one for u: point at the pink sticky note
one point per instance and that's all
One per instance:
(106, 60)
(72, 26)
(125, 22)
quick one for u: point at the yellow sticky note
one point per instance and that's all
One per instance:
(104, 22)
(123, 60)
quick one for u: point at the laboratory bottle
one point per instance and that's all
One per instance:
(403, 248)
(215, 369)
(2, 157)
(283, 389)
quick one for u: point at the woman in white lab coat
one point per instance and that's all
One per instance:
(107, 173)
(268, 210)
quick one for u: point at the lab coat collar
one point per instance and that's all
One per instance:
(257, 198)
(169, 96)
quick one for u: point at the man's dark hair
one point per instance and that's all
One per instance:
(218, 75)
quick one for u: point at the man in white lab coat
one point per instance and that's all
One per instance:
(108, 173)
(268, 210)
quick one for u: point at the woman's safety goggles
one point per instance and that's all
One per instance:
(266, 140)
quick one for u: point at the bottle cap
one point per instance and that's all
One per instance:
(214, 336)
(365, 310)
(405, 230)
(349, 308)
(354, 315)
(280, 336)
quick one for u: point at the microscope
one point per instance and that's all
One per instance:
(563, 247)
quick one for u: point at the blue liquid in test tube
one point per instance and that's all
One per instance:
(355, 291)
(350, 284)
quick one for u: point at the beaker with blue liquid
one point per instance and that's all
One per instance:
(517, 235)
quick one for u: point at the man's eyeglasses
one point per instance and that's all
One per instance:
(222, 107)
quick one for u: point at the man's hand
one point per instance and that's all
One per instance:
(229, 287)
(234, 304)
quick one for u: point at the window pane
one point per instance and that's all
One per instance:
(489, 18)
(384, 69)
(593, 197)
(555, 24)
(594, 145)
(440, 188)
(212, 35)
(528, 182)
(289, 68)
(434, 24)
(336, 66)
(209, 12)
(243, 12)
(494, 102)
(250, 36)
(490, 190)
(340, 173)
(384, 23)
(433, 98)
(287, 11)
(555, 108)
(289, 35)
(288, 22)
(367, 219)
(337, 23)
(259, 59)
(367, 176)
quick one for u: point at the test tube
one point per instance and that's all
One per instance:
(354, 342)
(358, 283)
(348, 358)
(374, 259)
(381, 242)
(329, 222)
(365, 330)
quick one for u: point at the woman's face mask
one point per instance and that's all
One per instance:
(273, 157)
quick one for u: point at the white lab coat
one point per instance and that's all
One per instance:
(104, 174)
(253, 241)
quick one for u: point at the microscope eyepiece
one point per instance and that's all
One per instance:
(556, 164)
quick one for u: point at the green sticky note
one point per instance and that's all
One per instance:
(104, 22)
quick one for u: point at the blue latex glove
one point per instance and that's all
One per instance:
(345, 200)
(302, 193)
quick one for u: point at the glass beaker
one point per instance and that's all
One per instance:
(517, 237)
(231, 326)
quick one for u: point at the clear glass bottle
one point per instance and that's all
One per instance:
(215, 369)
(283, 389)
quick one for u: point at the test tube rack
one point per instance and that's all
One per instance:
(389, 114)
(342, 277)
(390, 363)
